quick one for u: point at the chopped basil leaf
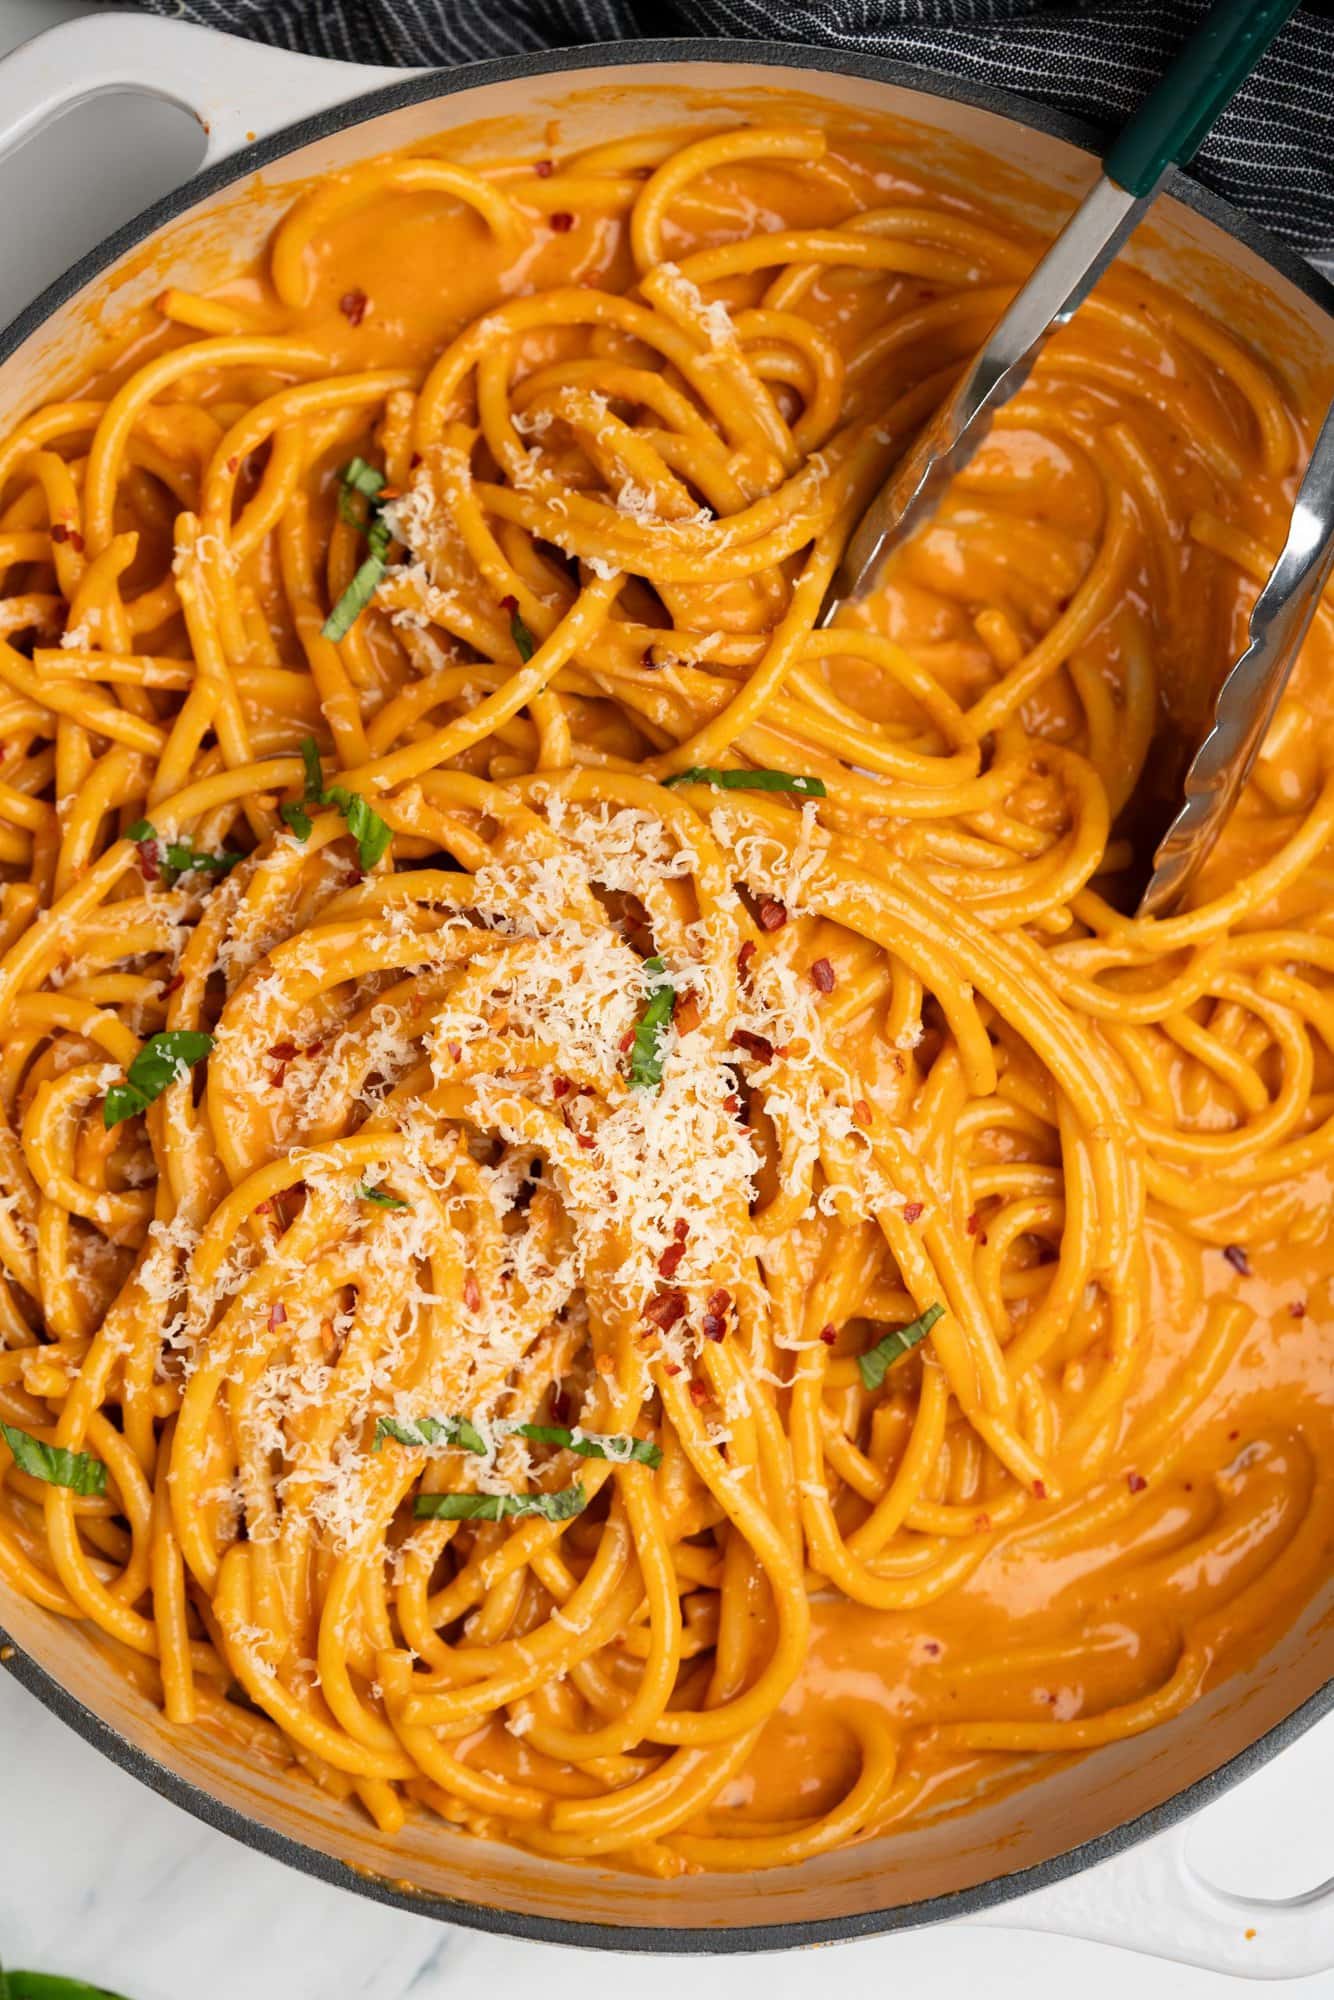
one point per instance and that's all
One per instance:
(522, 638)
(749, 781)
(364, 584)
(357, 477)
(455, 1431)
(78, 1470)
(164, 1058)
(49, 1986)
(379, 1197)
(646, 1050)
(878, 1360)
(298, 819)
(363, 822)
(562, 1506)
(620, 1450)
(310, 759)
(178, 857)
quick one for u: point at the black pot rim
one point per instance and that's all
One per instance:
(181, 1791)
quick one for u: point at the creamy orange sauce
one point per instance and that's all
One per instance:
(1142, 406)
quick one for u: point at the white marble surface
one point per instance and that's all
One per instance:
(100, 1878)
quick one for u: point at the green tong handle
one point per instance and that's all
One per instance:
(1174, 118)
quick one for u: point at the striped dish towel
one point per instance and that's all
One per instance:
(1272, 152)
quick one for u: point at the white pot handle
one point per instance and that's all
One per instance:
(1151, 1899)
(237, 90)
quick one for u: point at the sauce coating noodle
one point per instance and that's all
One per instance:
(448, 1169)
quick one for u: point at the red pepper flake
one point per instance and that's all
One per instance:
(562, 221)
(1297, 1309)
(699, 1394)
(264, 1207)
(670, 1261)
(745, 955)
(1136, 1481)
(586, 1140)
(175, 984)
(931, 1647)
(560, 1085)
(1238, 1259)
(233, 465)
(472, 1293)
(715, 1315)
(772, 914)
(62, 532)
(544, 169)
(1039, 1489)
(758, 1046)
(982, 1524)
(829, 1334)
(974, 1223)
(898, 1065)
(627, 1040)
(680, 1229)
(862, 1112)
(912, 1211)
(671, 1368)
(283, 1051)
(732, 1103)
(149, 866)
(822, 976)
(666, 1308)
(353, 306)
(277, 1315)
(455, 1050)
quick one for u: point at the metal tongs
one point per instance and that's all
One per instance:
(1167, 130)
(1250, 694)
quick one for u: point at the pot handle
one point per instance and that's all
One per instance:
(1151, 1899)
(238, 90)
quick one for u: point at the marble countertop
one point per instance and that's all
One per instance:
(100, 1878)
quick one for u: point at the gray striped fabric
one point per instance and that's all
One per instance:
(1272, 152)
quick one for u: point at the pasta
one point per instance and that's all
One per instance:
(609, 1230)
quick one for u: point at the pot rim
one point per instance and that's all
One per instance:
(142, 1764)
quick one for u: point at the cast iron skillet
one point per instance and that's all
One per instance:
(416, 89)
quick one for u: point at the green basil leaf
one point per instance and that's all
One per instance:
(620, 1450)
(49, 1986)
(354, 599)
(78, 1470)
(361, 477)
(164, 1058)
(522, 638)
(562, 1506)
(646, 1049)
(179, 857)
(878, 1360)
(455, 1431)
(363, 823)
(380, 1198)
(298, 819)
(310, 759)
(749, 781)
(357, 480)
(183, 859)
